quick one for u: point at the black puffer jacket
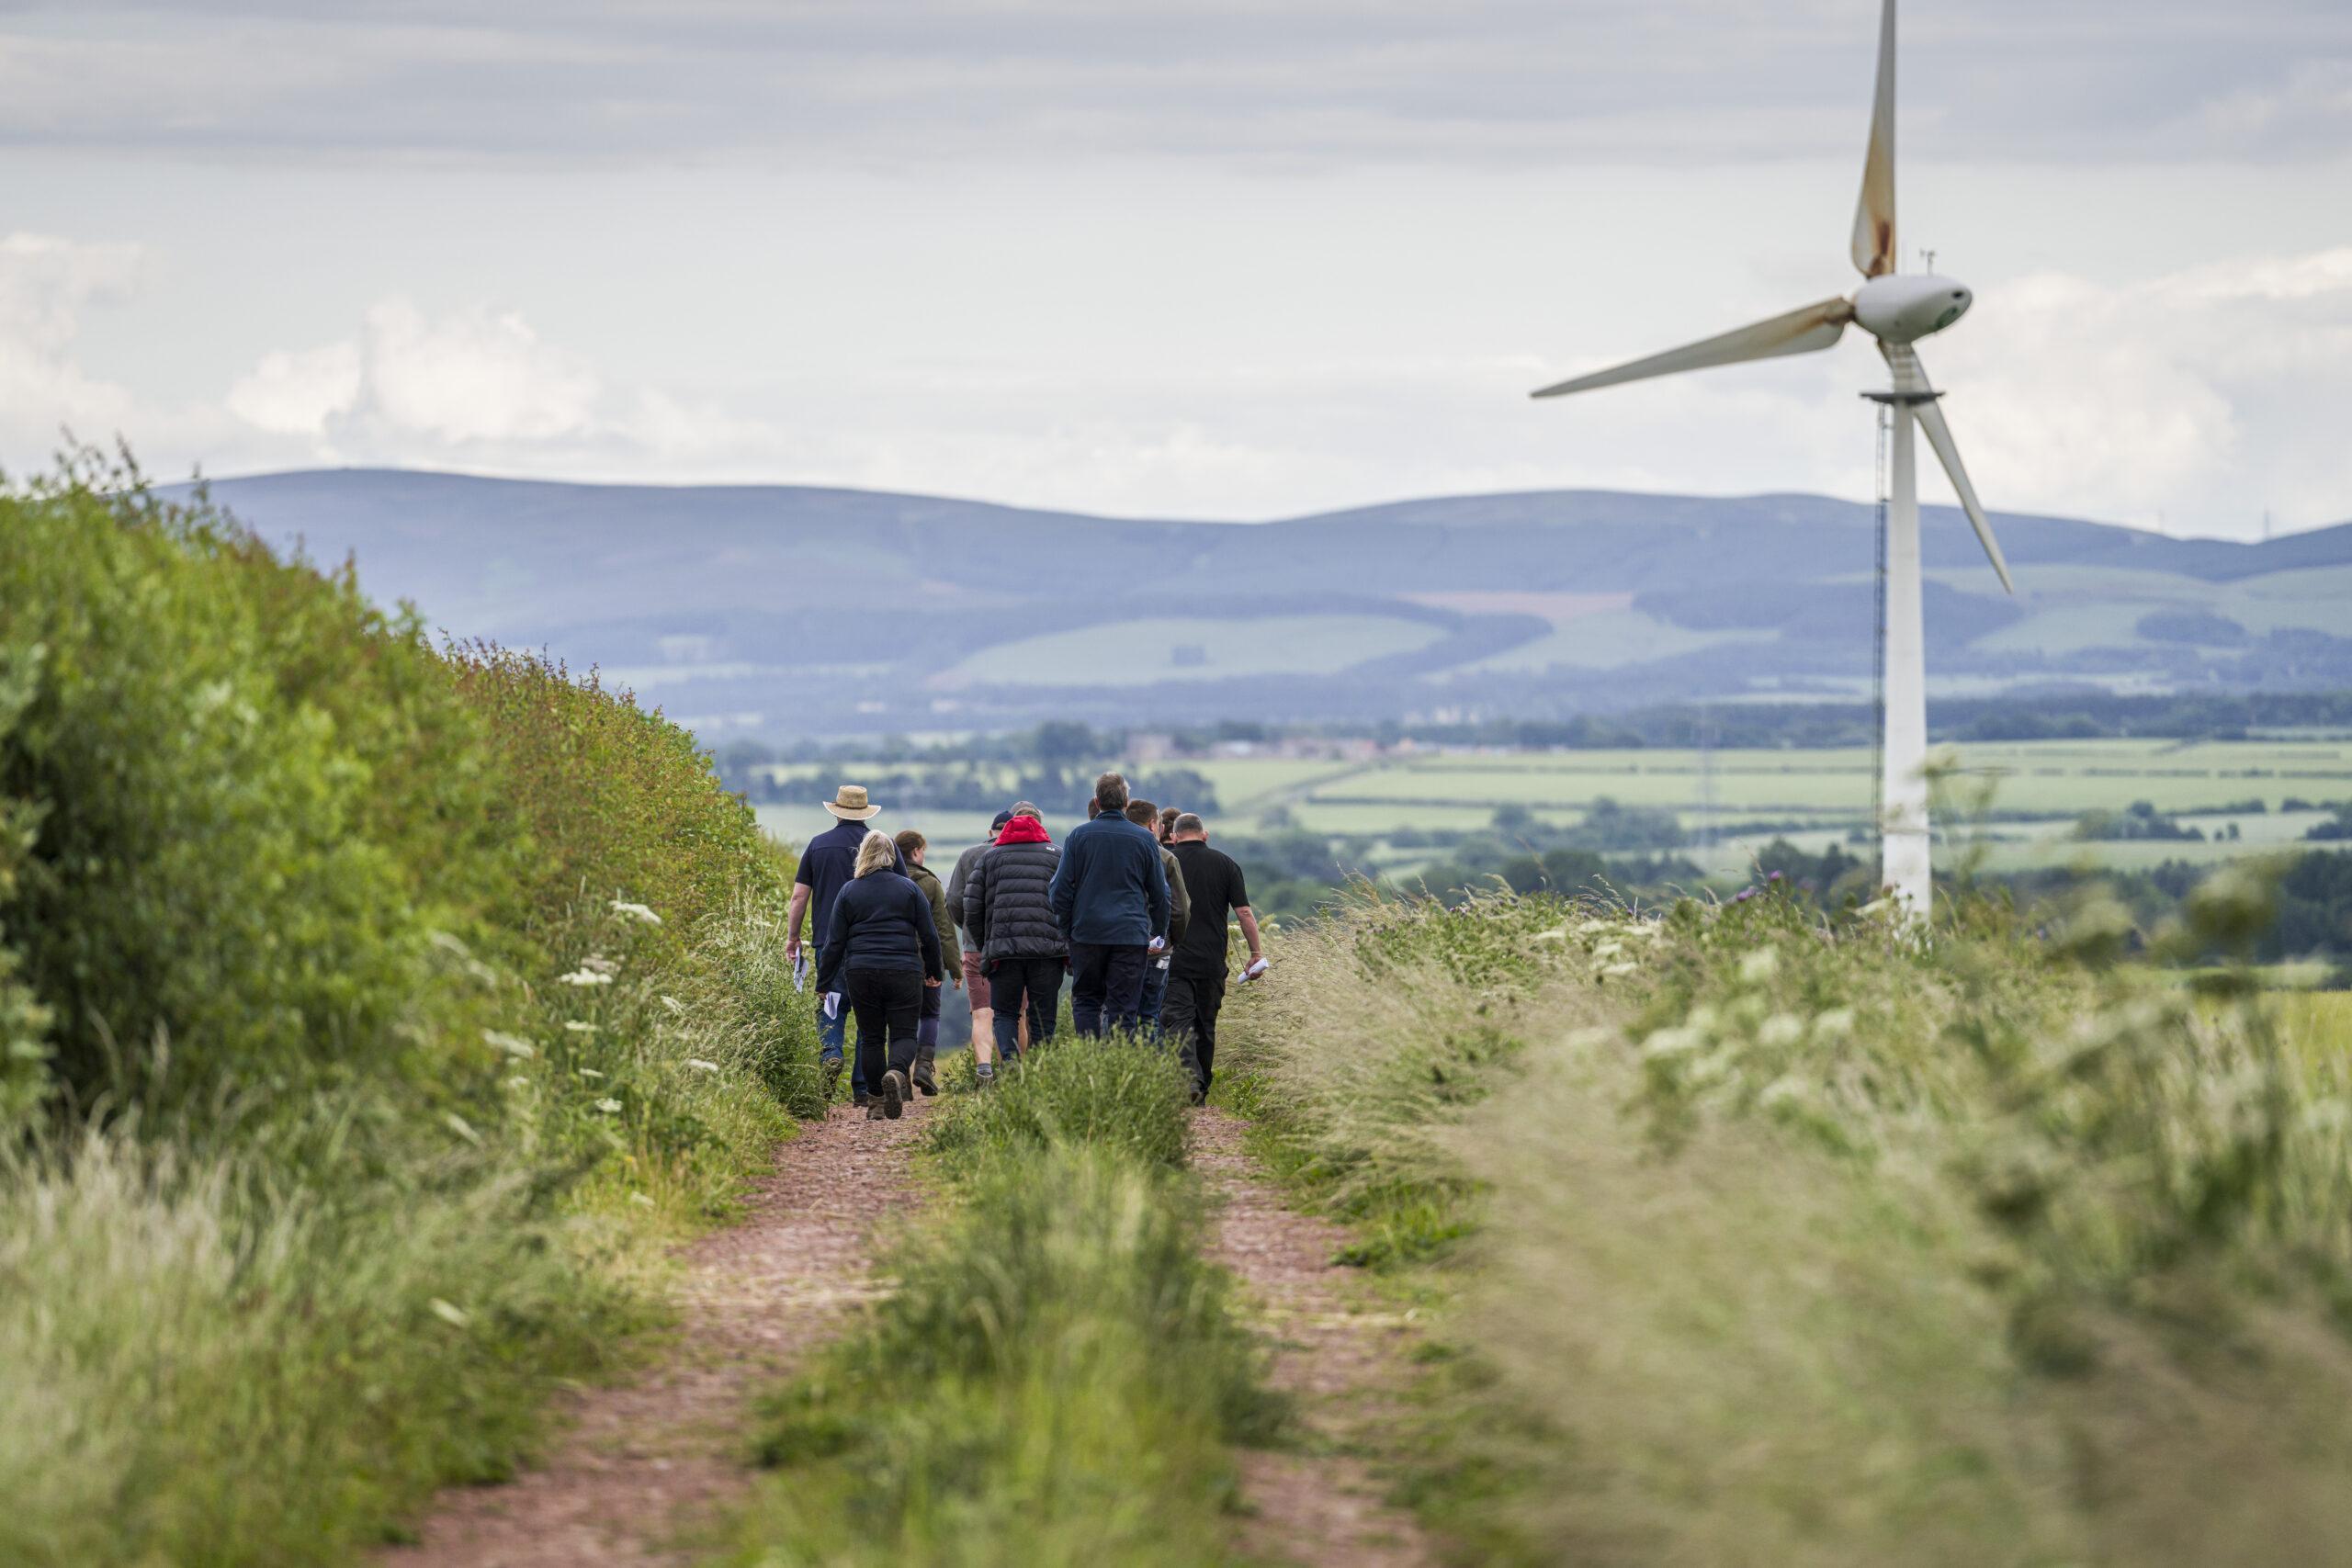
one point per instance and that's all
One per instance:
(1007, 912)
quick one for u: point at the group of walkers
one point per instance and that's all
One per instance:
(1132, 907)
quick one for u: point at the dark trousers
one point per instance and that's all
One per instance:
(1033, 983)
(888, 1004)
(927, 1024)
(1105, 986)
(1188, 1018)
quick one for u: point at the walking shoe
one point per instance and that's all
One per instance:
(894, 1093)
(859, 1098)
(832, 1063)
(986, 1074)
(922, 1077)
(874, 1114)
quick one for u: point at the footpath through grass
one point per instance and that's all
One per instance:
(370, 1019)
(1762, 1239)
(1059, 1378)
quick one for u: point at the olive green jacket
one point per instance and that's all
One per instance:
(924, 879)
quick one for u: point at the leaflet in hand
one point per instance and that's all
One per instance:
(1256, 967)
(800, 973)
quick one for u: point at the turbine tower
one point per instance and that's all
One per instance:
(1898, 311)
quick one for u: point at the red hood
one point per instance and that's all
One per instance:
(1024, 830)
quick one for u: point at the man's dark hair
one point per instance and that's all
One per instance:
(1168, 815)
(1186, 822)
(909, 841)
(1142, 813)
(1110, 793)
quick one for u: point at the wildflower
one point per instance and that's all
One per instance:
(698, 1065)
(674, 1005)
(598, 963)
(609, 1106)
(1743, 896)
(455, 1316)
(518, 1081)
(1614, 970)
(640, 1199)
(513, 1044)
(575, 1026)
(589, 1073)
(1834, 1024)
(1759, 965)
(1780, 1030)
(1608, 950)
(585, 976)
(1673, 1042)
(636, 912)
(459, 1125)
(1588, 927)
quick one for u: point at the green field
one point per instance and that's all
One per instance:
(1733, 802)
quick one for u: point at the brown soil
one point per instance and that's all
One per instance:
(1338, 1355)
(637, 1464)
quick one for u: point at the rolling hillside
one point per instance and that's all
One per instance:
(776, 608)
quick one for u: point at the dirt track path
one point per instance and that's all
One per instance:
(1338, 1355)
(635, 1465)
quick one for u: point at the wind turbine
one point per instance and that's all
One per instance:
(1898, 311)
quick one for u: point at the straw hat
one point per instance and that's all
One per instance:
(849, 804)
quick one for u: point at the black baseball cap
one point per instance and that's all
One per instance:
(1002, 818)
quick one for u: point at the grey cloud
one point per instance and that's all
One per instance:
(1308, 80)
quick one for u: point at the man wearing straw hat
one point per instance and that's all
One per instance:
(828, 863)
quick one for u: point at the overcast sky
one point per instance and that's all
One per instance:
(1210, 259)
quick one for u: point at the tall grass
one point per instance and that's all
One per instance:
(370, 1018)
(1794, 1241)
(1057, 1378)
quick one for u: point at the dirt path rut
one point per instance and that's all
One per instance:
(635, 1465)
(1338, 1355)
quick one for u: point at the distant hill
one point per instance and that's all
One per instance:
(776, 610)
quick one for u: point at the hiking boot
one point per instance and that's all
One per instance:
(922, 1077)
(894, 1093)
(874, 1114)
(859, 1098)
(832, 1063)
(986, 1074)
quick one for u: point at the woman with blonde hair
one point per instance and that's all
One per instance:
(880, 951)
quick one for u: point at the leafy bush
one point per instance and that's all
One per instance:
(369, 1021)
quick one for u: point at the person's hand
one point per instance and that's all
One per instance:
(932, 984)
(956, 981)
(792, 951)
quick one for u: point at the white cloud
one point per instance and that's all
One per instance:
(299, 392)
(477, 386)
(2196, 401)
(46, 283)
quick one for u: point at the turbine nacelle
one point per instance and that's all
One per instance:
(1905, 307)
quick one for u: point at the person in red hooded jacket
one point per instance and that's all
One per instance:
(1009, 915)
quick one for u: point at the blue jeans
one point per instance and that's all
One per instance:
(1155, 988)
(833, 1033)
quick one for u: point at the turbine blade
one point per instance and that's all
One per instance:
(1930, 415)
(1874, 213)
(1805, 331)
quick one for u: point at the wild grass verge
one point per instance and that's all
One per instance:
(370, 1018)
(1057, 1378)
(1786, 1240)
